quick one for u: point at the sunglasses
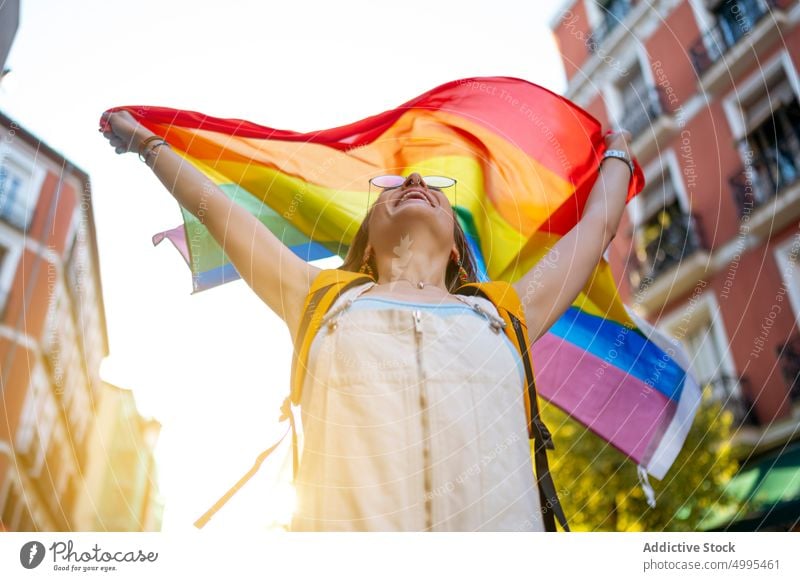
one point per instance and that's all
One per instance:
(390, 181)
(395, 181)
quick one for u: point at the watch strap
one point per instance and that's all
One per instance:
(618, 153)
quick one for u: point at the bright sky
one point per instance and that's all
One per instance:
(213, 367)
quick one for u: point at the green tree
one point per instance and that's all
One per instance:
(599, 487)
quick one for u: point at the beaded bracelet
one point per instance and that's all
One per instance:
(152, 149)
(144, 143)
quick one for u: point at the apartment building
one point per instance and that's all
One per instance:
(709, 250)
(52, 340)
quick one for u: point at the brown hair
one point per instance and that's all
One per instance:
(355, 254)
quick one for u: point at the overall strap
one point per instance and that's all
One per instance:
(508, 306)
(543, 441)
(325, 289)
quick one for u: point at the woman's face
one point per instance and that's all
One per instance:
(404, 209)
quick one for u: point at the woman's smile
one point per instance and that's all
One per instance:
(414, 194)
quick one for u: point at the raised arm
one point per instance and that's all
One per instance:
(278, 276)
(549, 288)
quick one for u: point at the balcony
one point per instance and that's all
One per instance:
(789, 360)
(778, 431)
(649, 121)
(614, 13)
(612, 34)
(671, 237)
(671, 257)
(767, 192)
(731, 392)
(641, 115)
(750, 33)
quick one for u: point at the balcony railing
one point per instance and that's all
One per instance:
(724, 34)
(759, 182)
(612, 17)
(731, 392)
(679, 238)
(789, 360)
(640, 116)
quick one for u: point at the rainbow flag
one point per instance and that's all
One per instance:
(525, 160)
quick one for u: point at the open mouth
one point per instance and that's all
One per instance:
(413, 196)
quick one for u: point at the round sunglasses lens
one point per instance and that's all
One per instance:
(387, 181)
(439, 181)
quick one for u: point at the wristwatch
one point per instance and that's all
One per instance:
(621, 155)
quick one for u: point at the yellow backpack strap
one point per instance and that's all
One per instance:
(509, 307)
(325, 289)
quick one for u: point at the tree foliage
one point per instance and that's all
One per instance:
(599, 486)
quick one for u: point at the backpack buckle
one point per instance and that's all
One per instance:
(286, 409)
(498, 326)
(542, 435)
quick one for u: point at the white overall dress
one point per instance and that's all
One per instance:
(413, 419)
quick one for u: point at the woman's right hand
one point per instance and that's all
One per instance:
(123, 132)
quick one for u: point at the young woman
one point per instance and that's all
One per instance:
(412, 409)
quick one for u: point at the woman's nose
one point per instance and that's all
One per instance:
(414, 178)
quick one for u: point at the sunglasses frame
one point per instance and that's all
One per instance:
(403, 179)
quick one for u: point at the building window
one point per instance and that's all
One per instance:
(10, 252)
(26, 432)
(640, 103)
(788, 354)
(10, 508)
(737, 17)
(787, 256)
(770, 149)
(612, 12)
(633, 91)
(734, 19)
(706, 349)
(3, 264)
(665, 234)
(16, 205)
(775, 145)
(38, 421)
(700, 329)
